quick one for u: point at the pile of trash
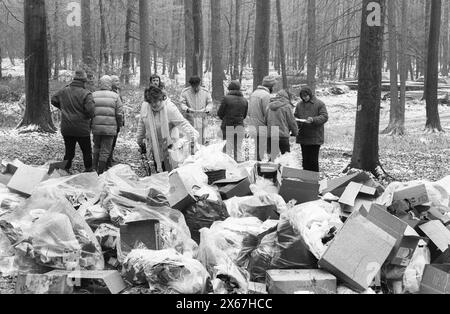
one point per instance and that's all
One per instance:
(263, 228)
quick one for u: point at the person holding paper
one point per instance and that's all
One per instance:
(312, 115)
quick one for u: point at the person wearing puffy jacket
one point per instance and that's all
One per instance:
(233, 112)
(108, 117)
(311, 137)
(280, 115)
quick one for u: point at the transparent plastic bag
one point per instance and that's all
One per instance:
(290, 160)
(414, 272)
(212, 158)
(61, 237)
(166, 272)
(123, 178)
(80, 190)
(313, 221)
(241, 206)
(227, 277)
(264, 186)
(175, 233)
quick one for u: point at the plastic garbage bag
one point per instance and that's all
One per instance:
(80, 190)
(437, 194)
(314, 221)
(9, 201)
(227, 277)
(414, 272)
(192, 175)
(346, 290)
(212, 158)
(166, 272)
(243, 206)
(96, 215)
(174, 231)
(61, 239)
(290, 160)
(203, 214)
(107, 235)
(123, 178)
(264, 186)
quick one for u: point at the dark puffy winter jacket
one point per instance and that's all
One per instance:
(233, 110)
(77, 109)
(280, 114)
(311, 134)
(108, 111)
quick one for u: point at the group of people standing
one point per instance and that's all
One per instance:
(84, 113)
(272, 120)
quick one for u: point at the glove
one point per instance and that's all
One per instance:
(142, 149)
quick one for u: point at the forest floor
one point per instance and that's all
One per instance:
(414, 156)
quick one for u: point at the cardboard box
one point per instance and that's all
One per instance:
(79, 279)
(268, 171)
(338, 186)
(416, 195)
(180, 196)
(436, 280)
(358, 251)
(404, 252)
(26, 178)
(234, 187)
(264, 213)
(437, 233)
(301, 281)
(299, 185)
(351, 193)
(257, 288)
(50, 283)
(134, 234)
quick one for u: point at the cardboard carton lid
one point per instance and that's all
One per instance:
(304, 175)
(230, 181)
(438, 234)
(381, 217)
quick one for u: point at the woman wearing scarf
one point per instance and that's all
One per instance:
(159, 116)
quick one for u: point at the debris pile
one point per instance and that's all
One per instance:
(264, 228)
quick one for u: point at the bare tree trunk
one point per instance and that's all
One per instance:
(198, 37)
(393, 65)
(433, 121)
(1, 60)
(245, 48)
(56, 42)
(216, 50)
(312, 57)
(87, 55)
(144, 35)
(237, 40)
(445, 43)
(103, 48)
(37, 115)
(425, 52)
(126, 58)
(281, 44)
(262, 41)
(189, 39)
(366, 145)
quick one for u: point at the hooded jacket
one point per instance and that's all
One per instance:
(311, 134)
(257, 107)
(233, 109)
(280, 114)
(108, 110)
(77, 109)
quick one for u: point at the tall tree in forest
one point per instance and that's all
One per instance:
(425, 51)
(237, 40)
(175, 38)
(144, 35)
(262, 42)
(197, 18)
(126, 59)
(366, 145)
(400, 115)
(37, 117)
(57, 58)
(312, 53)
(396, 120)
(445, 39)
(1, 60)
(103, 49)
(216, 50)
(86, 36)
(433, 121)
(188, 39)
(281, 45)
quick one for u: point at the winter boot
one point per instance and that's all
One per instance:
(101, 167)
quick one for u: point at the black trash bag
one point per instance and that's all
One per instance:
(203, 214)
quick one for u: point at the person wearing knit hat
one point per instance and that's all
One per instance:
(108, 116)
(77, 110)
(233, 111)
(257, 113)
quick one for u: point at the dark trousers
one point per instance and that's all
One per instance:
(284, 146)
(111, 156)
(311, 157)
(85, 145)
